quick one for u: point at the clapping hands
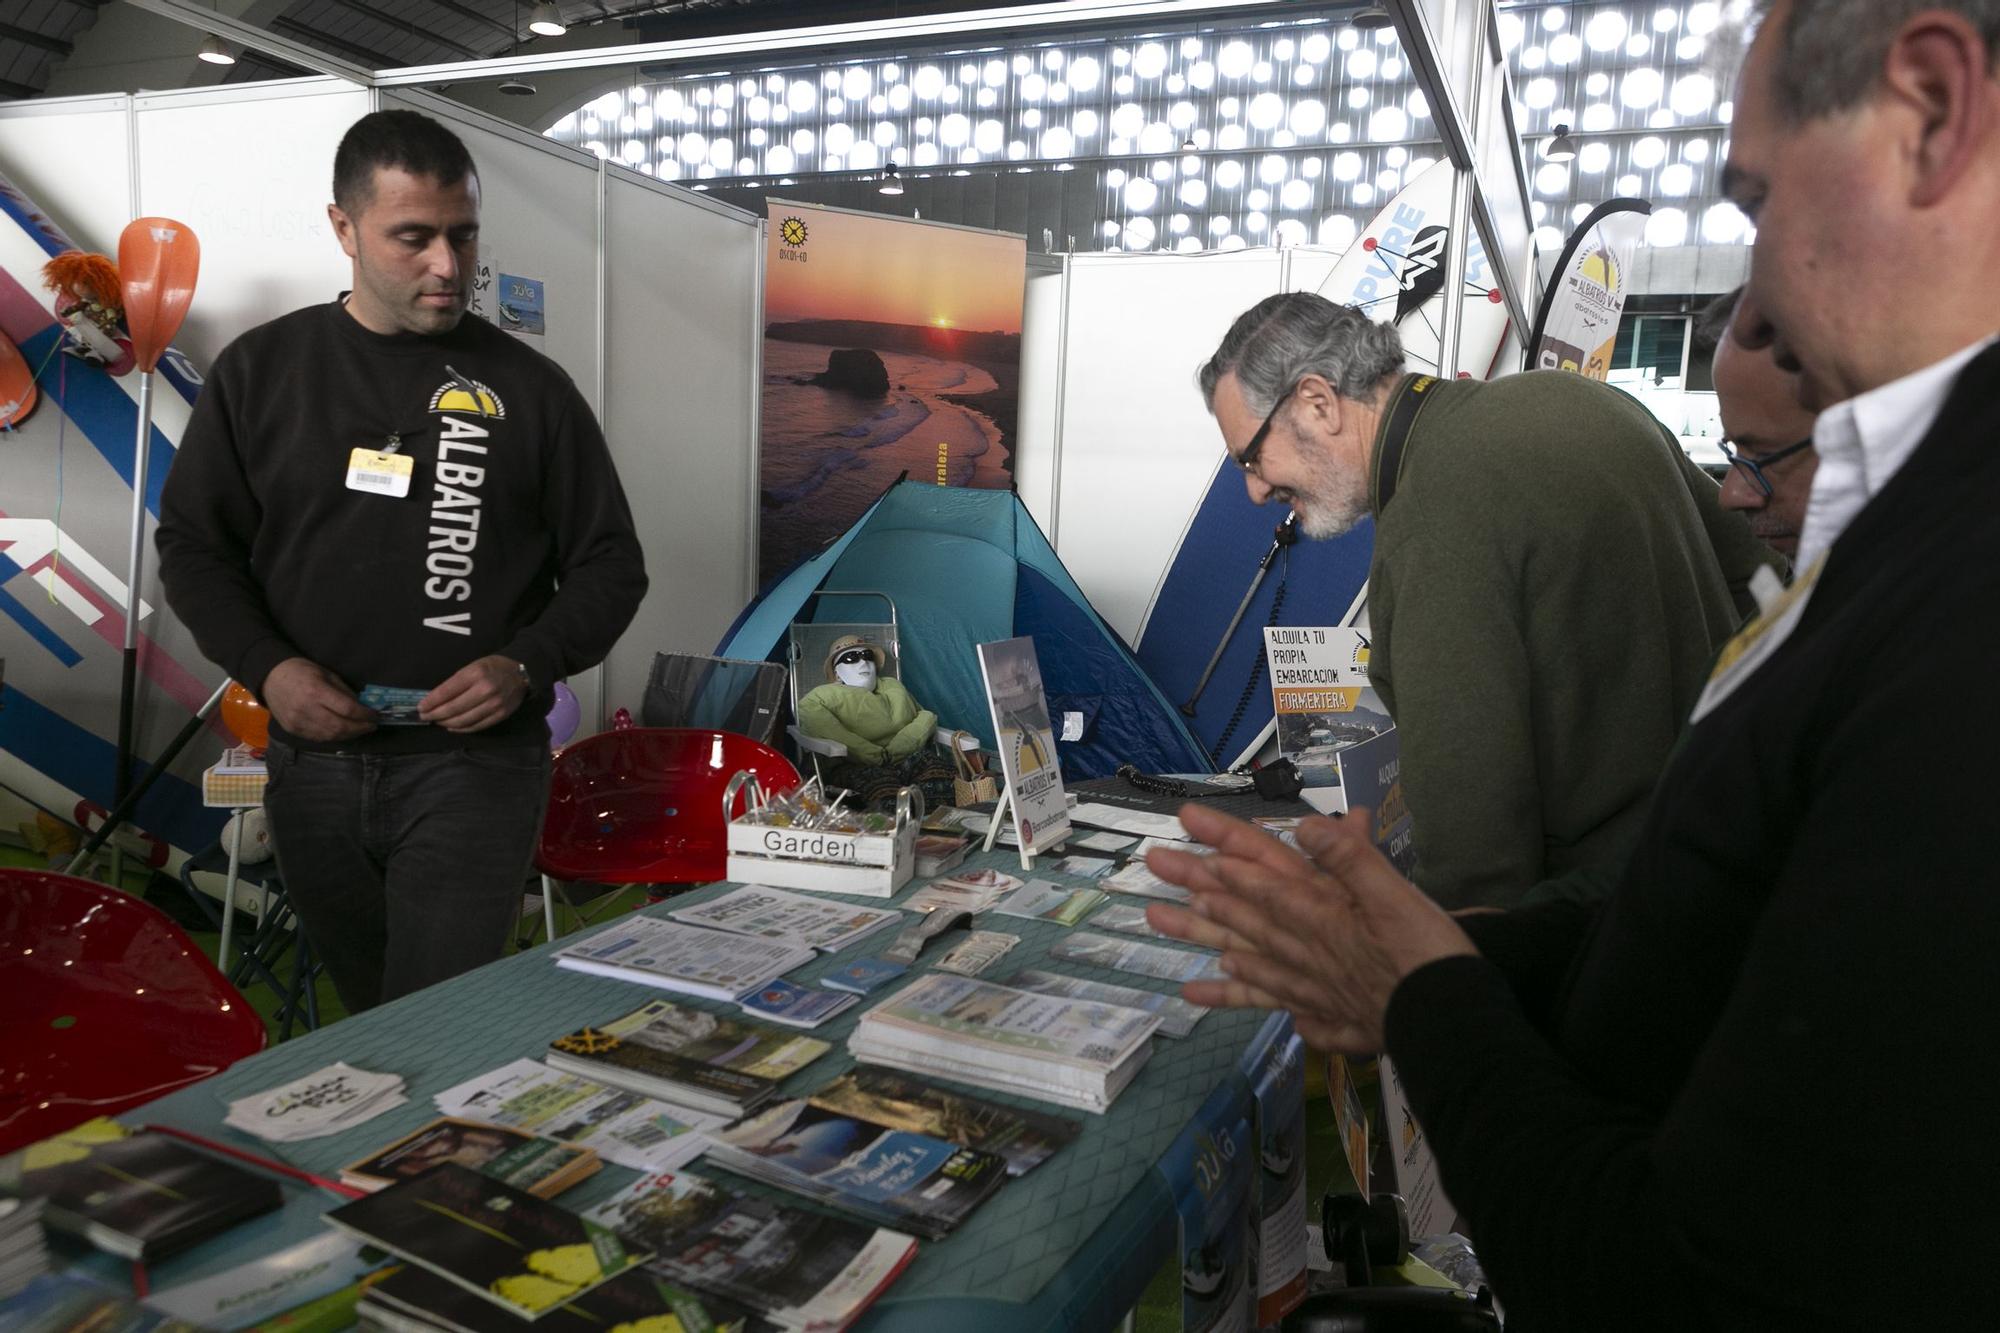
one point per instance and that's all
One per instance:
(1326, 935)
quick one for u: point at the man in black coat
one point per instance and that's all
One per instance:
(1753, 1088)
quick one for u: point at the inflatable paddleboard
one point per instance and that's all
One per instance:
(63, 599)
(1395, 271)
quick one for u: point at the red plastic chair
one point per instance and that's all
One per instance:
(644, 805)
(107, 1004)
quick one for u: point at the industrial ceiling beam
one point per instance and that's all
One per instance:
(292, 52)
(314, 37)
(29, 37)
(401, 22)
(468, 12)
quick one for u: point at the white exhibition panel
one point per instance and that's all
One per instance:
(538, 219)
(1040, 405)
(686, 321)
(1308, 267)
(1138, 445)
(676, 391)
(259, 208)
(69, 155)
(1500, 180)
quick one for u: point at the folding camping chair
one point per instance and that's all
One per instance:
(806, 647)
(277, 932)
(720, 693)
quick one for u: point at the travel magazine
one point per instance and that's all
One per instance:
(910, 1181)
(138, 1196)
(1074, 1052)
(522, 1253)
(416, 1300)
(713, 964)
(1136, 956)
(799, 1269)
(1177, 1016)
(1025, 1139)
(623, 1127)
(826, 924)
(687, 1056)
(543, 1167)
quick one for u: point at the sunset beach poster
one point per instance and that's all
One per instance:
(891, 346)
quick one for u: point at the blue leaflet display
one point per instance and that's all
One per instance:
(1279, 1090)
(864, 975)
(795, 1005)
(896, 1177)
(1209, 1170)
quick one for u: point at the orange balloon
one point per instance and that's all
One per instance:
(248, 720)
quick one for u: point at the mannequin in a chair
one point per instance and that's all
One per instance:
(887, 734)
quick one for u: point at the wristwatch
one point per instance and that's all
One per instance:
(527, 681)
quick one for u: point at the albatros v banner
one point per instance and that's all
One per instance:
(1577, 326)
(158, 259)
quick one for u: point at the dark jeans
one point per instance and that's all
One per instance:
(405, 869)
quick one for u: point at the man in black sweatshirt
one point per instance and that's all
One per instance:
(1754, 1087)
(383, 491)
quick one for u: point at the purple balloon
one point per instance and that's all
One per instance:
(563, 718)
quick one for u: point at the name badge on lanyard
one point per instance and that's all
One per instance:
(376, 473)
(1756, 641)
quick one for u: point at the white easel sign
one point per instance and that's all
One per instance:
(1034, 792)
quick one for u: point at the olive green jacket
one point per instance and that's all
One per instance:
(1551, 579)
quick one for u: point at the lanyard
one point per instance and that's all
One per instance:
(1406, 401)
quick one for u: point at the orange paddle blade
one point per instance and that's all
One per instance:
(158, 259)
(17, 384)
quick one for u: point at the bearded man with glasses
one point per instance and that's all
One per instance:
(1550, 579)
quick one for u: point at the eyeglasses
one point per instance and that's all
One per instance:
(1753, 465)
(853, 655)
(1247, 460)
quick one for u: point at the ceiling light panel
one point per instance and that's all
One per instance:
(1646, 87)
(1172, 116)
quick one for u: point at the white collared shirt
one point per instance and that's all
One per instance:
(1864, 441)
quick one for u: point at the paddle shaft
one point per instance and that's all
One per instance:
(1286, 534)
(123, 810)
(135, 564)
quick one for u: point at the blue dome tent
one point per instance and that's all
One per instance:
(971, 566)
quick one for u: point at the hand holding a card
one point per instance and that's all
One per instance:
(313, 704)
(478, 695)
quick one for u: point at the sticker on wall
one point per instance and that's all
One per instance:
(520, 308)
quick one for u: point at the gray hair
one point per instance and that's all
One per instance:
(1282, 339)
(1832, 51)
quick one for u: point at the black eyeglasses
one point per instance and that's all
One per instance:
(1247, 460)
(1753, 465)
(853, 655)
